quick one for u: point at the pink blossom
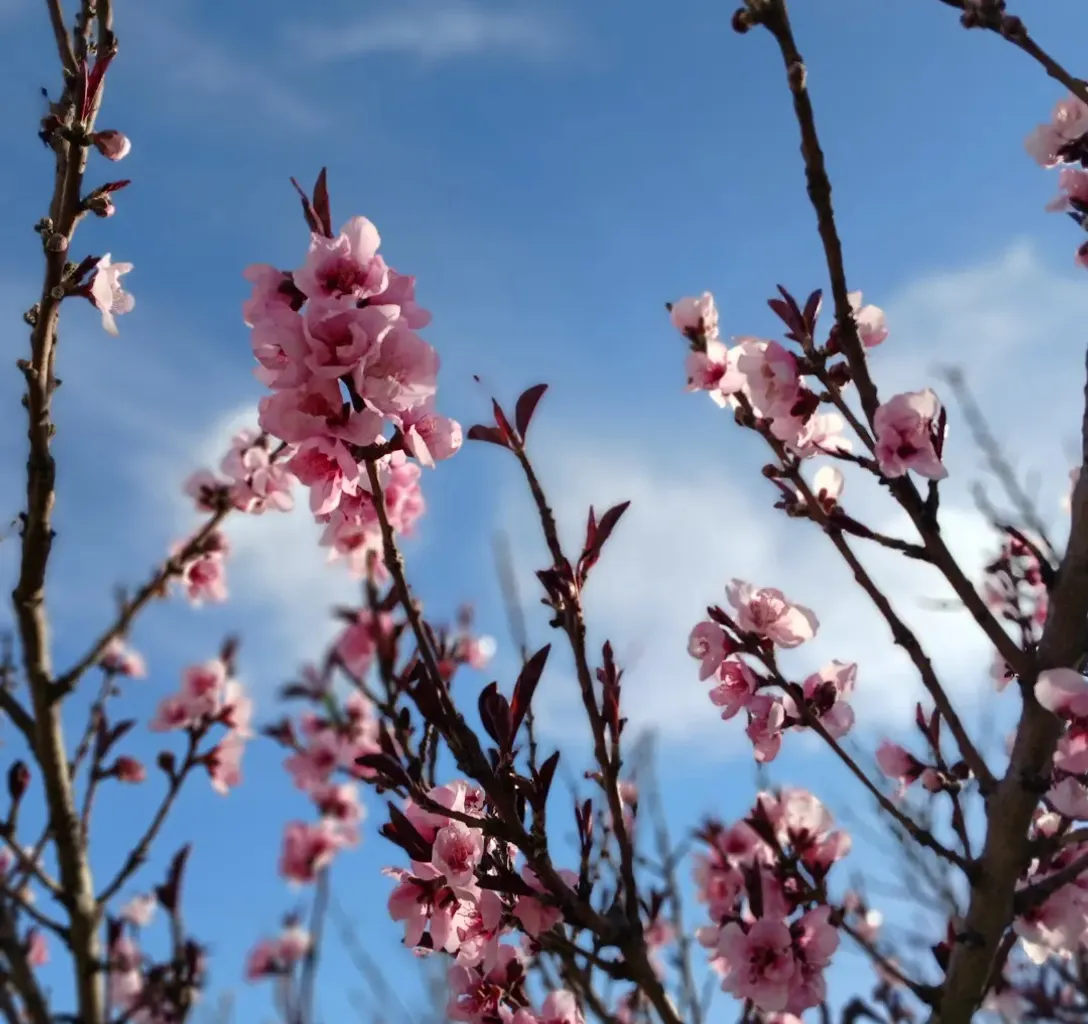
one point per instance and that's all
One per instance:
(767, 613)
(1068, 124)
(328, 469)
(826, 694)
(760, 963)
(315, 411)
(340, 340)
(696, 317)
(112, 144)
(344, 268)
(714, 370)
(1070, 798)
(737, 684)
(428, 436)
(313, 765)
(401, 292)
(278, 955)
(535, 916)
(202, 687)
(126, 980)
(872, 329)
(1064, 692)
(279, 345)
(906, 435)
(259, 482)
(457, 853)
(340, 804)
(403, 497)
(357, 645)
(896, 762)
(172, 713)
(107, 293)
(122, 660)
(766, 720)
(772, 382)
(224, 763)
(400, 375)
(560, 1007)
(37, 952)
(821, 434)
(203, 575)
(272, 293)
(479, 937)
(710, 646)
(478, 651)
(139, 910)
(1073, 183)
(307, 850)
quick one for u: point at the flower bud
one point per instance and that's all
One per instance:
(128, 769)
(18, 780)
(101, 206)
(113, 145)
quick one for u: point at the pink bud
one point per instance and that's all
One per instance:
(128, 769)
(113, 145)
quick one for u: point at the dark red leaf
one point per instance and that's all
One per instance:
(169, 893)
(489, 434)
(321, 204)
(523, 411)
(506, 432)
(601, 534)
(812, 311)
(401, 831)
(114, 186)
(525, 687)
(119, 731)
(545, 777)
(385, 767)
(495, 715)
(783, 312)
(308, 211)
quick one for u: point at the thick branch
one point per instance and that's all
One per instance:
(1007, 851)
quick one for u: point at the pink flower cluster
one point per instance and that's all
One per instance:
(1065, 692)
(762, 619)
(256, 479)
(769, 380)
(208, 696)
(335, 341)
(278, 956)
(771, 938)
(328, 746)
(1063, 142)
(1058, 926)
(1014, 588)
(443, 907)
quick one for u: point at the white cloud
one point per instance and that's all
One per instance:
(1013, 326)
(211, 79)
(438, 32)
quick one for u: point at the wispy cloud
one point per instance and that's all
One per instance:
(212, 79)
(693, 524)
(433, 32)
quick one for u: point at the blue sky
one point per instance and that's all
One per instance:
(552, 173)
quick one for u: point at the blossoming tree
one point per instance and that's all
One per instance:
(536, 931)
